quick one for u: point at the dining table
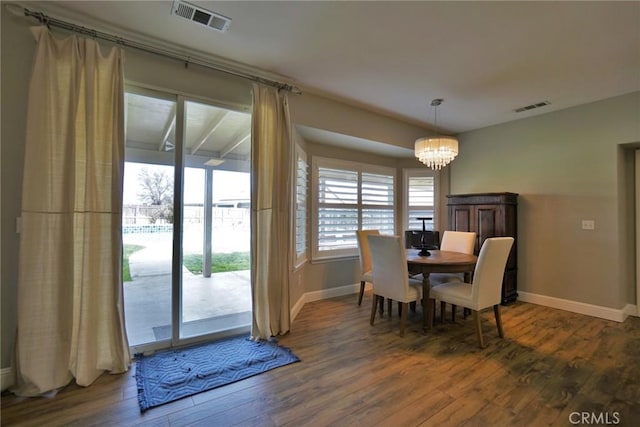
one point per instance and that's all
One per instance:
(437, 261)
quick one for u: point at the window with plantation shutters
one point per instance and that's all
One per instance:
(337, 209)
(300, 220)
(420, 187)
(377, 202)
(348, 197)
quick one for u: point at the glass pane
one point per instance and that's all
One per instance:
(377, 189)
(337, 186)
(421, 202)
(378, 219)
(337, 228)
(216, 291)
(421, 191)
(415, 224)
(147, 218)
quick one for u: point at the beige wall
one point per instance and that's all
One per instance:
(637, 208)
(322, 113)
(567, 166)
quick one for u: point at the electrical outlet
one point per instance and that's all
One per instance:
(588, 224)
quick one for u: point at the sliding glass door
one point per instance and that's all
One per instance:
(185, 220)
(216, 290)
(147, 219)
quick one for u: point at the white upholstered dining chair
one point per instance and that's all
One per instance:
(453, 241)
(365, 259)
(486, 288)
(391, 276)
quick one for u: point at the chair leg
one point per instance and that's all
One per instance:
(404, 307)
(443, 308)
(399, 309)
(389, 303)
(412, 306)
(496, 312)
(374, 307)
(453, 312)
(361, 294)
(381, 300)
(476, 318)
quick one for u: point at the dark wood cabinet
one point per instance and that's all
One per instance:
(489, 215)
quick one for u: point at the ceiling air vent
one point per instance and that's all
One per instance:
(201, 16)
(532, 106)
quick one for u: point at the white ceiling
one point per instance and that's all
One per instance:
(484, 58)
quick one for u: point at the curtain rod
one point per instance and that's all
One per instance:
(55, 22)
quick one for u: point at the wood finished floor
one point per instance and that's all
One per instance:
(550, 364)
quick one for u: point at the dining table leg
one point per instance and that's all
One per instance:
(427, 307)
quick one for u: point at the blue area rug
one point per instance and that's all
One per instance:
(173, 374)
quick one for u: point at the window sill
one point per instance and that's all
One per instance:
(298, 264)
(335, 258)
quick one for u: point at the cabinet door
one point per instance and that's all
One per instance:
(461, 218)
(486, 220)
(489, 220)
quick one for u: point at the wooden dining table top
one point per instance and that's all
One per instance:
(442, 261)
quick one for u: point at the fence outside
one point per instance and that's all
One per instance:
(146, 219)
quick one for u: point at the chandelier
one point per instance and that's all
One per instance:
(438, 151)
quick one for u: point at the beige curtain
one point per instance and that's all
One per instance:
(70, 311)
(271, 166)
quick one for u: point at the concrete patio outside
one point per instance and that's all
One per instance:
(219, 302)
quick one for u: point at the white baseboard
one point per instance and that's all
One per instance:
(333, 292)
(631, 310)
(296, 308)
(617, 315)
(6, 378)
(325, 294)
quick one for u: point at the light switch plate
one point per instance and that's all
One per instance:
(588, 224)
